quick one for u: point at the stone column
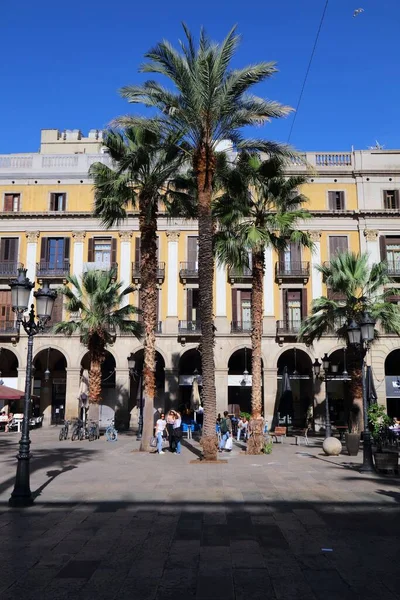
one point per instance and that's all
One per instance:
(78, 237)
(371, 237)
(171, 325)
(125, 266)
(270, 386)
(31, 256)
(72, 393)
(316, 276)
(221, 388)
(269, 324)
(46, 401)
(221, 321)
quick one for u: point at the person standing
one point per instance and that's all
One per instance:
(177, 432)
(226, 430)
(170, 425)
(160, 427)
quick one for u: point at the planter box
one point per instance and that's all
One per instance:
(387, 461)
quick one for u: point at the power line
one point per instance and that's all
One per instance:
(308, 68)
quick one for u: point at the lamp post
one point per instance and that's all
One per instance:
(45, 297)
(133, 373)
(326, 361)
(360, 336)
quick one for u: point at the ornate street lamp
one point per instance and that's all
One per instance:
(316, 368)
(20, 293)
(47, 371)
(360, 336)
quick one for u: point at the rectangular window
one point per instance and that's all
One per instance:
(102, 252)
(336, 201)
(192, 252)
(192, 305)
(12, 202)
(338, 244)
(9, 250)
(391, 199)
(6, 314)
(58, 202)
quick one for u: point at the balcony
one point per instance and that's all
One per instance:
(9, 269)
(136, 272)
(51, 270)
(189, 270)
(393, 267)
(287, 328)
(8, 329)
(292, 270)
(189, 328)
(243, 275)
(98, 266)
(241, 327)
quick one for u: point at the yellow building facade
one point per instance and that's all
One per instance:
(46, 224)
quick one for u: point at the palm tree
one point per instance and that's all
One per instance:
(363, 288)
(261, 208)
(143, 164)
(210, 103)
(98, 299)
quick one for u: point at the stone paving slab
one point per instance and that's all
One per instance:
(112, 523)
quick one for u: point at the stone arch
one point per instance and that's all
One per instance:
(300, 347)
(50, 383)
(294, 387)
(9, 363)
(60, 349)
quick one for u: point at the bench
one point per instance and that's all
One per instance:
(279, 433)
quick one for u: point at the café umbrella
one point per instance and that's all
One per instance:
(84, 390)
(7, 393)
(372, 396)
(195, 401)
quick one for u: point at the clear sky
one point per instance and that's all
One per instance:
(62, 63)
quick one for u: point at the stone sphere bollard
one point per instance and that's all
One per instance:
(332, 446)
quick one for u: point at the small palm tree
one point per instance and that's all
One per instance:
(144, 162)
(210, 103)
(363, 288)
(98, 300)
(261, 208)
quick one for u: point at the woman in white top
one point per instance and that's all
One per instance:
(159, 429)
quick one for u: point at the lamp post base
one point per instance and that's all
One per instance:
(22, 495)
(368, 462)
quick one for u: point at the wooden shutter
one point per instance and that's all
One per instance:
(64, 201)
(285, 305)
(192, 249)
(67, 244)
(189, 304)
(90, 250)
(382, 245)
(337, 244)
(234, 304)
(341, 201)
(9, 250)
(113, 251)
(52, 202)
(295, 252)
(137, 251)
(331, 200)
(304, 307)
(8, 202)
(43, 249)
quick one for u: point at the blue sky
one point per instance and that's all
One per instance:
(63, 62)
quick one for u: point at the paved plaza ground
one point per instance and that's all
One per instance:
(110, 522)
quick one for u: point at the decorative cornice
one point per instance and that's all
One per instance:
(315, 236)
(32, 236)
(79, 236)
(371, 235)
(173, 236)
(125, 236)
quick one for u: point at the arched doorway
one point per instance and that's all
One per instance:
(337, 389)
(392, 382)
(239, 381)
(8, 371)
(294, 390)
(49, 385)
(189, 367)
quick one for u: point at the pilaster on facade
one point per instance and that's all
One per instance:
(78, 259)
(316, 276)
(171, 325)
(125, 274)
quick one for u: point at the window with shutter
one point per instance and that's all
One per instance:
(9, 250)
(338, 244)
(336, 200)
(12, 202)
(58, 201)
(192, 252)
(391, 199)
(392, 246)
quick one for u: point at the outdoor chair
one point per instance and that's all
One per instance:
(302, 437)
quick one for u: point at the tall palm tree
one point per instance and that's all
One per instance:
(261, 208)
(210, 103)
(363, 288)
(143, 164)
(97, 298)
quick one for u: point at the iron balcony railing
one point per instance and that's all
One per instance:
(9, 269)
(292, 269)
(189, 270)
(393, 267)
(99, 266)
(288, 327)
(8, 327)
(243, 274)
(160, 270)
(189, 327)
(240, 326)
(158, 329)
(47, 268)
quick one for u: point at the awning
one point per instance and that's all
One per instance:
(7, 393)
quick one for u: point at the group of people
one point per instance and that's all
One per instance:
(225, 427)
(170, 428)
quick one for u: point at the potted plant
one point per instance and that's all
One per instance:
(379, 421)
(353, 440)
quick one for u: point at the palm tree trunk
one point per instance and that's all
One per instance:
(204, 167)
(256, 440)
(148, 279)
(95, 381)
(355, 386)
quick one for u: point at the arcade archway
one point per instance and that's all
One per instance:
(136, 386)
(294, 399)
(49, 385)
(189, 367)
(240, 381)
(392, 382)
(8, 370)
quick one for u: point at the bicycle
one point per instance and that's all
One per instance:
(78, 432)
(93, 432)
(111, 433)
(64, 431)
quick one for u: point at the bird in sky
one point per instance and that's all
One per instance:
(357, 12)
